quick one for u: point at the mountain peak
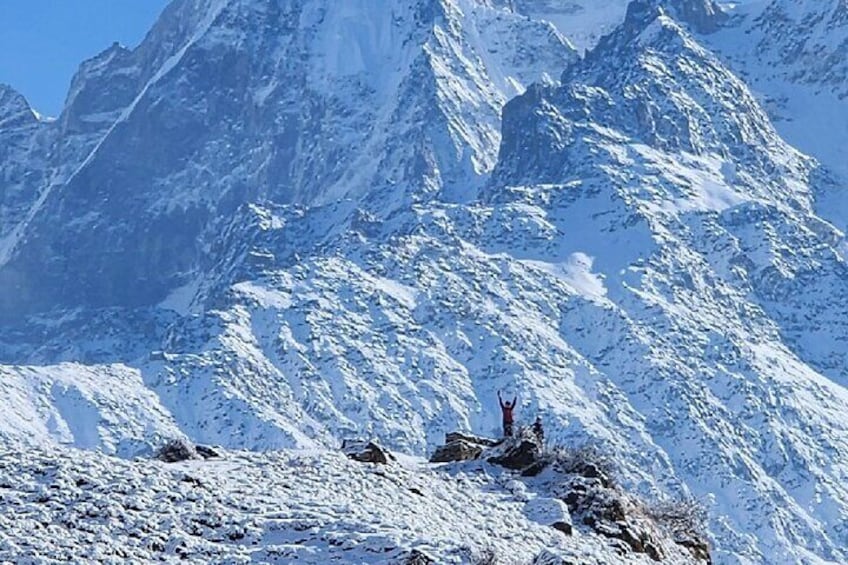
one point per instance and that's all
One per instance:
(703, 16)
(14, 108)
(649, 82)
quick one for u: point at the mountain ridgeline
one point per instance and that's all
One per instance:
(281, 223)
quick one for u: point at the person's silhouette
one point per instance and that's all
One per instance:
(506, 410)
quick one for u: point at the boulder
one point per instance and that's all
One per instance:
(592, 471)
(549, 512)
(469, 438)
(415, 557)
(366, 452)
(517, 455)
(457, 450)
(206, 452)
(610, 513)
(176, 450)
(564, 527)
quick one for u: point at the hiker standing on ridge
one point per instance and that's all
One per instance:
(506, 410)
(539, 431)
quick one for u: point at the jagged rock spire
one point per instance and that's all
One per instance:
(14, 108)
(703, 16)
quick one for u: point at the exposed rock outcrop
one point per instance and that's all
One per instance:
(595, 501)
(471, 438)
(366, 452)
(415, 557)
(549, 558)
(518, 454)
(207, 452)
(578, 484)
(457, 450)
(176, 450)
(462, 447)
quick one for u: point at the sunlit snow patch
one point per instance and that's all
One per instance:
(576, 271)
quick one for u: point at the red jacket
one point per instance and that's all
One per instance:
(507, 408)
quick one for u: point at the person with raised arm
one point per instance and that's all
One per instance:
(507, 413)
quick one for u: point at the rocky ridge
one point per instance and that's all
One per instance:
(583, 480)
(638, 252)
(309, 507)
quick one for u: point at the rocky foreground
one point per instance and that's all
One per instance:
(322, 507)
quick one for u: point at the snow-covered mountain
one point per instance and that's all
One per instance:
(274, 225)
(300, 102)
(792, 55)
(22, 154)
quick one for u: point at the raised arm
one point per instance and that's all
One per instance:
(500, 400)
(514, 400)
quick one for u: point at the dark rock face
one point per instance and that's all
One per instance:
(23, 140)
(606, 512)
(705, 16)
(366, 452)
(14, 109)
(612, 514)
(698, 548)
(207, 452)
(519, 455)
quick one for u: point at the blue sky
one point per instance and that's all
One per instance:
(42, 42)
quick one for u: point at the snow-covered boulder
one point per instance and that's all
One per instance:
(519, 452)
(471, 438)
(176, 450)
(549, 558)
(457, 450)
(461, 447)
(366, 451)
(415, 557)
(549, 512)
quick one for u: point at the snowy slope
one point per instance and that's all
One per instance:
(792, 53)
(285, 507)
(700, 243)
(308, 222)
(103, 408)
(292, 113)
